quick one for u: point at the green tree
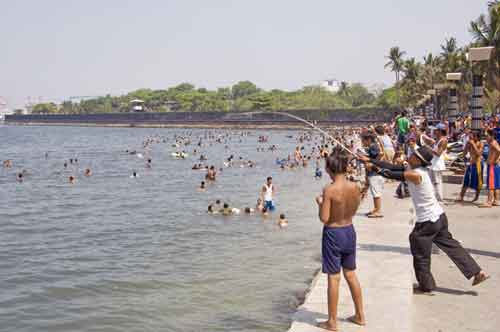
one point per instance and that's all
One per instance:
(243, 89)
(396, 63)
(343, 89)
(44, 108)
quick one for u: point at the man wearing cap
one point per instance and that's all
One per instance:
(439, 146)
(431, 222)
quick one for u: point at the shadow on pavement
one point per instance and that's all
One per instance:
(451, 291)
(406, 250)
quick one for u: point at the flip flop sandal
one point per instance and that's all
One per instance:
(375, 216)
(480, 280)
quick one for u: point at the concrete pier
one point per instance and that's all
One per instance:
(386, 274)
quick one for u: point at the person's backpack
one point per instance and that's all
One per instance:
(402, 191)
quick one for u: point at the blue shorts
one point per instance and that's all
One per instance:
(401, 139)
(493, 177)
(473, 177)
(338, 249)
(269, 205)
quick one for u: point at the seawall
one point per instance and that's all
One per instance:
(208, 119)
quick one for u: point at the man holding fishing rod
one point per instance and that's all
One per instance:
(431, 222)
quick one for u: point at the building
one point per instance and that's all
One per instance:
(4, 109)
(331, 85)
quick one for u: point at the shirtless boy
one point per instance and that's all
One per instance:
(492, 170)
(337, 206)
(473, 177)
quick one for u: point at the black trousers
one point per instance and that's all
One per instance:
(421, 239)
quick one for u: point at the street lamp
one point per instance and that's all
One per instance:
(439, 91)
(478, 54)
(432, 103)
(453, 78)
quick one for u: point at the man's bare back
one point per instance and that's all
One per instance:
(494, 153)
(342, 198)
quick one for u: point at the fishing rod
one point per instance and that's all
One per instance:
(308, 123)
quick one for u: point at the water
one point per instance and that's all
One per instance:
(112, 253)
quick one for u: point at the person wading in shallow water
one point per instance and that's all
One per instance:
(337, 206)
(431, 224)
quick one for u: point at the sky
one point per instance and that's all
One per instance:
(55, 49)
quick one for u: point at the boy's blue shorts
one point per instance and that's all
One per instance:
(269, 205)
(338, 249)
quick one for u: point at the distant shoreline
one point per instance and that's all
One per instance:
(268, 126)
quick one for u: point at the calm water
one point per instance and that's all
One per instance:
(113, 253)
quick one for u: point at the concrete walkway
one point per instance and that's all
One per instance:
(386, 273)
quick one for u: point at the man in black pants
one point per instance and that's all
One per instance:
(431, 223)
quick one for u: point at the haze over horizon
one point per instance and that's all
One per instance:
(58, 49)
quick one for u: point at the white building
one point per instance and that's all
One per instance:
(331, 85)
(4, 108)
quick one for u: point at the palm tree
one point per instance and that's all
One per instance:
(395, 62)
(450, 54)
(412, 83)
(343, 89)
(486, 32)
(430, 69)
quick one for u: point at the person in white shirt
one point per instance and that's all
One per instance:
(267, 194)
(431, 221)
(439, 146)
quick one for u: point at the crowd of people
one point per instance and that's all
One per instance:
(410, 152)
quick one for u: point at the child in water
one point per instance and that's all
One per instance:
(318, 174)
(282, 221)
(260, 206)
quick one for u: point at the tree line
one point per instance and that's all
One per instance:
(242, 96)
(415, 77)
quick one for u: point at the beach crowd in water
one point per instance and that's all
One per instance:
(455, 146)
(412, 152)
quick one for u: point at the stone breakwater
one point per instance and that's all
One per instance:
(207, 119)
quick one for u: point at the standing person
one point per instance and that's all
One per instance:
(439, 146)
(211, 173)
(386, 143)
(431, 221)
(473, 177)
(492, 170)
(337, 206)
(267, 194)
(375, 181)
(403, 126)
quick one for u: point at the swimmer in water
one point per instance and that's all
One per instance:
(134, 175)
(88, 172)
(318, 174)
(211, 174)
(65, 164)
(259, 206)
(210, 210)
(227, 211)
(249, 210)
(265, 214)
(282, 221)
(20, 177)
(202, 186)
(71, 179)
(148, 164)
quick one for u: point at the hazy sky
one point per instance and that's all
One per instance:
(56, 49)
